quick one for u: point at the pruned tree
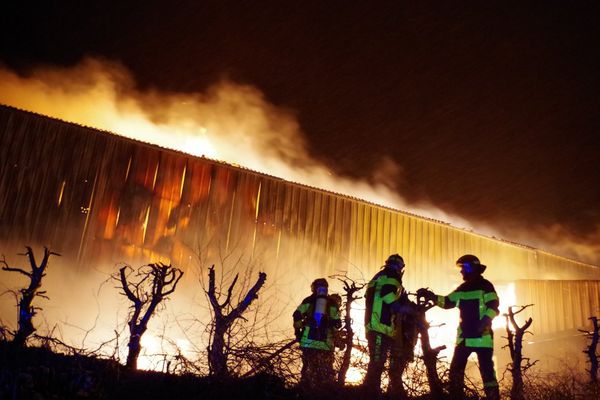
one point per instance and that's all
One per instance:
(350, 288)
(146, 288)
(28, 294)
(591, 351)
(515, 346)
(224, 316)
(430, 354)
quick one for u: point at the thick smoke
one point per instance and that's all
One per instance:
(234, 123)
(228, 122)
(564, 242)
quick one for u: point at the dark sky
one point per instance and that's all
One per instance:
(491, 108)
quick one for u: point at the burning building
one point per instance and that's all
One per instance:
(96, 197)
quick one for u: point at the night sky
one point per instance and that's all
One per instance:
(490, 108)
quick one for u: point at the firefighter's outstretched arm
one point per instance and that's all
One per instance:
(440, 301)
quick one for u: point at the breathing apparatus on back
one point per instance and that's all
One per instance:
(319, 288)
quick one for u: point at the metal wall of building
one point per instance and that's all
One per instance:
(95, 196)
(559, 305)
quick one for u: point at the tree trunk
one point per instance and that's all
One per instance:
(217, 359)
(349, 345)
(516, 391)
(135, 348)
(430, 356)
(217, 354)
(515, 346)
(591, 350)
(25, 320)
(26, 309)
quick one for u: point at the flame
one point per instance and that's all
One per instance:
(355, 375)
(508, 298)
(233, 123)
(228, 122)
(155, 352)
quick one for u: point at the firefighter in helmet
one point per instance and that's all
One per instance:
(316, 321)
(386, 305)
(478, 303)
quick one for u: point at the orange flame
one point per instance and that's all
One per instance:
(229, 122)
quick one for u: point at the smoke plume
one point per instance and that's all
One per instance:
(234, 123)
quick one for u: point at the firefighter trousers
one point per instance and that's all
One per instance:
(486, 369)
(317, 368)
(380, 347)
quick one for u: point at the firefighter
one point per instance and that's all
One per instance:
(316, 321)
(478, 303)
(386, 307)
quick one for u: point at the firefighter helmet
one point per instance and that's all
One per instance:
(469, 263)
(317, 283)
(395, 260)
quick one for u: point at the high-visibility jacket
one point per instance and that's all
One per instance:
(475, 299)
(312, 336)
(384, 289)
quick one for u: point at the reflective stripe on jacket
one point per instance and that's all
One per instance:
(384, 289)
(313, 336)
(475, 299)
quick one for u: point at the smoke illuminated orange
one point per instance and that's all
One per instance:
(229, 122)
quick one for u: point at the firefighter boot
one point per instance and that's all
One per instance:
(492, 393)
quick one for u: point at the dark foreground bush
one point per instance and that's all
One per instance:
(564, 386)
(40, 374)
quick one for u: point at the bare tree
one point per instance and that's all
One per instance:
(430, 355)
(515, 346)
(146, 288)
(26, 310)
(224, 315)
(350, 288)
(591, 350)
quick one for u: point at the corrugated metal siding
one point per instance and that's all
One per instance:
(559, 304)
(96, 196)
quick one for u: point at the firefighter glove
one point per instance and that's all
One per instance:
(426, 294)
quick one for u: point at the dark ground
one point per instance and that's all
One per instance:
(40, 374)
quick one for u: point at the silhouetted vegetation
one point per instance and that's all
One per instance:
(146, 288)
(346, 338)
(225, 314)
(28, 294)
(514, 335)
(237, 368)
(591, 351)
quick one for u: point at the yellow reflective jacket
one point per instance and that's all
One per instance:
(384, 289)
(475, 299)
(312, 336)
